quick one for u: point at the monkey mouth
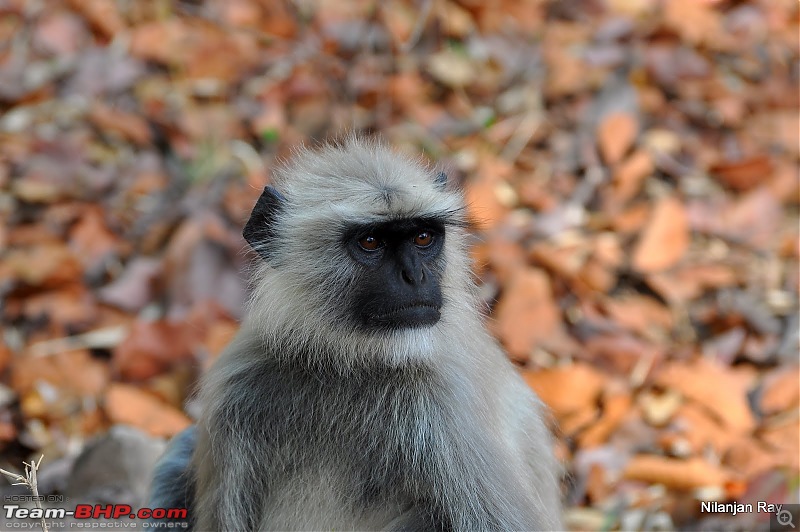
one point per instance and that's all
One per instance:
(417, 315)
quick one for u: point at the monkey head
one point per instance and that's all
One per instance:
(359, 239)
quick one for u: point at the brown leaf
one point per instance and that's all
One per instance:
(726, 398)
(783, 438)
(630, 174)
(506, 257)
(640, 314)
(102, 15)
(90, 238)
(483, 204)
(596, 276)
(568, 389)
(756, 218)
(664, 239)
(70, 306)
(616, 406)
(129, 405)
(781, 390)
(577, 421)
(5, 356)
(745, 174)
(620, 353)
(695, 21)
(748, 457)
(615, 135)
(201, 48)
(691, 280)
(60, 32)
(699, 430)
(526, 312)
(151, 347)
(129, 126)
(45, 266)
(675, 473)
(134, 288)
(76, 372)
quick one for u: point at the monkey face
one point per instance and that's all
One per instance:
(399, 265)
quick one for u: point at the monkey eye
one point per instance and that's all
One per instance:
(370, 243)
(423, 239)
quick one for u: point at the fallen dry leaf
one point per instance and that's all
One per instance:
(5, 356)
(641, 314)
(781, 390)
(616, 406)
(44, 266)
(664, 239)
(694, 21)
(505, 257)
(102, 15)
(749, 457)
(676, 473)
(90, 238)
(782, 437)
(630, 174)
(567, 389)
(615, 135)
(151, 347)
(129, 405)
(125, 124)
(715, 387)
(700, 430)
(745, 174)
(74, 371)
(526, 312)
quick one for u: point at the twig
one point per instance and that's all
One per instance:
(425, 12)
(29, 479)
(528, 124)
(99, 338)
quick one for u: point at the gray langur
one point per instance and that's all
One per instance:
(362, 390)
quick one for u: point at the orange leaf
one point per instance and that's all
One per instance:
(665, 238)
(567, 389)
(616, 134)
(526, 312)
(716, 387)
(151, 348)
(131, 406)
(675, 473)
(781, 390)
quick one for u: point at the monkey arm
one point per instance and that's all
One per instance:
(173, 481)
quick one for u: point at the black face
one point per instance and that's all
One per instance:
(401, 263)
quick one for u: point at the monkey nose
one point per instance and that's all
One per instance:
(413, 276)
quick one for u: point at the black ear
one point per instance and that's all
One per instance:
(441, 180)
(260, 228)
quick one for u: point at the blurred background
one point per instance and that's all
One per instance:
(632, 166)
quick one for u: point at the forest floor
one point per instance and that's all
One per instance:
(631, 166)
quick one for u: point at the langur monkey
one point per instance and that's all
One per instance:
(363, 391)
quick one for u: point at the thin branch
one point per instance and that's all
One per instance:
(29, 479)
(419, 27)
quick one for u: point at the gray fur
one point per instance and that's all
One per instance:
(173, 485)
(310, 423)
